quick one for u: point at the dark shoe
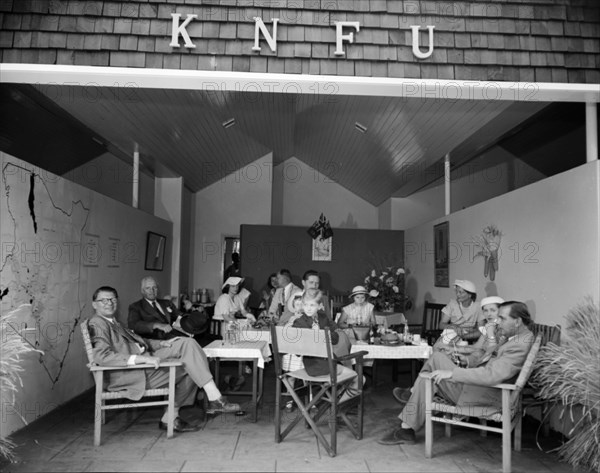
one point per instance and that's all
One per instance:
(221, 405)
(179, 425)
(397, 437)
(401, 395)
(236, 383)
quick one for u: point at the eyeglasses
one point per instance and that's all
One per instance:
(107, 300)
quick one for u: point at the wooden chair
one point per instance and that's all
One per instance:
(432, 316)
(215, 327)
(510, 415)
(336, 304)
(550, 334)
(102, 395)
(308, 342)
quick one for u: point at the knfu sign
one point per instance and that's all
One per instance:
(179, 29)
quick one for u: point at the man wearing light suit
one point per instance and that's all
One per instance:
(469, 386)
(285, 291)
(114, 345)
(153, 318)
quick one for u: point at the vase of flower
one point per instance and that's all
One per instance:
(386, 289)
(387, 307)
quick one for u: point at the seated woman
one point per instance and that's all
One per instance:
(471, 355)
(269, 292)
(230, 308)
(360, 312)
(463, 314)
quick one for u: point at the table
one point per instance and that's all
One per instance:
(394, 352)
(387, 319)
(256, 351)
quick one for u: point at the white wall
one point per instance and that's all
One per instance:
(219, 210)
(112, 177)
(550, 246)
(307, 193)
(168, 204)
(493, 173)
(46, 265)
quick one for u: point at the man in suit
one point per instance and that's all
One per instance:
(470, 386)
(285, 291)
(310, 281)
(114, 345)
(160, 319)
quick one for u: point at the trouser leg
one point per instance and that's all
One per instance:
(193, 357)
(185, 388)
(413, 413)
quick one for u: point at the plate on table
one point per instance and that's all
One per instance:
(391, 342)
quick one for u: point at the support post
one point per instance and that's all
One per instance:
(591, 131)
(136, 177)
(447, 183)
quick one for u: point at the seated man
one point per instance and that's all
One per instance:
(161, 319)
(469, 386)
(310, 280)
(114, 345)
(286, 289)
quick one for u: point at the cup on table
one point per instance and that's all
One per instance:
(416, 338)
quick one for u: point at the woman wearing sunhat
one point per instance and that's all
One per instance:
(229, 307)
(360, 312)
(463, 314)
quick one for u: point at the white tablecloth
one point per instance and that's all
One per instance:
(393, 352)
(242, 349)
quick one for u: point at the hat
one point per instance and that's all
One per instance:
(232, 281)
(195, 323)
(466, 285)
(358, 290)
(491, 300)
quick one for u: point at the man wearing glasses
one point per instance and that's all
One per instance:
(114, 345)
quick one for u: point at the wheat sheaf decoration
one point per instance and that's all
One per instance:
(568, 375)
(12, 348)
(488, 244)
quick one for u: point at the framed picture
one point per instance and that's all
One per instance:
(155, 251)
(440, 241)
(321, 249)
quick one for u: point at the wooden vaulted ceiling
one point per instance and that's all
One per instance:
(181, 132)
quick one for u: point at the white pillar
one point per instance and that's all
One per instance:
(447, 182)
(591, 131)
(136, 177)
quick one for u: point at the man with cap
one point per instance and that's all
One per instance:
(462, 314)
(470, 385)
(114, 345)
(160, 319)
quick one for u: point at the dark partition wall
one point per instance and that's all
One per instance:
(268, 248)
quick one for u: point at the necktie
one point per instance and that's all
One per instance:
(140, 343)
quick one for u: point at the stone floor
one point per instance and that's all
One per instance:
(131, 441)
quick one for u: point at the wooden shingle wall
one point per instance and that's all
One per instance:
(518, 40)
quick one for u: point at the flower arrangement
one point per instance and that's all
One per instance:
(386, 288)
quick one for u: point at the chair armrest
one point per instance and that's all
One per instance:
(163, 364)
(351, 356)
(510, 387)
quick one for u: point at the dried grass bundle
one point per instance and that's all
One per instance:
(569, 374)
(13, 346)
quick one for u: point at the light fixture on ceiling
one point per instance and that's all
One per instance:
(228, 123)
(360, 127)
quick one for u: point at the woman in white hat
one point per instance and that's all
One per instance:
(471, 356)
(230, 307)
(463, 314)
(360, 312)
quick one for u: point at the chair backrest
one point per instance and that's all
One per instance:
(336, 307)
(215, 327)
(87, 341)
(299, 341)
(527, 369)
(550, 333)
(432, 315)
